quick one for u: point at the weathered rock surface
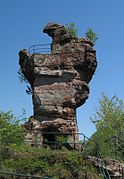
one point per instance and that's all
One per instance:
(59, 80)
(114, 167)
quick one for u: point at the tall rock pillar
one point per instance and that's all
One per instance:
(59, 80)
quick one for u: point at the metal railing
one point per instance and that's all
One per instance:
(82, 145)
(102, 168)
(101, 164)
(52, 139)
(37, 49)
(47, 49)
(3, 174)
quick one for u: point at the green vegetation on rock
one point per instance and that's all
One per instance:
(59, 164)
(71, 29)
(91, 35)
(21, 76)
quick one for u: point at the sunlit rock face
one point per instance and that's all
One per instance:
(59, 80)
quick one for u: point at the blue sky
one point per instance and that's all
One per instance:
(22, 22)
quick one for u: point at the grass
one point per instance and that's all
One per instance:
(59, 164)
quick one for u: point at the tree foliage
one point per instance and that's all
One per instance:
(109, 122)
(91, 35)
(11, 132)
(21, 76)
(17, 157)
(71, 29)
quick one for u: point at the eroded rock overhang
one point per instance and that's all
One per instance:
(59, 80)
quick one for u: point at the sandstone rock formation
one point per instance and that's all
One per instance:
(114, 167)
(59, 80)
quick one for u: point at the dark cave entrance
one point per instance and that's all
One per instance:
(48, 138)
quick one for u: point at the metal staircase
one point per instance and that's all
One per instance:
(102, 168)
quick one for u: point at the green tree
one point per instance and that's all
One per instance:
(91, 35)
(71, 29)
(11, 132)
(109, 122)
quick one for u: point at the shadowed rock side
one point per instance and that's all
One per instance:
(59, 80)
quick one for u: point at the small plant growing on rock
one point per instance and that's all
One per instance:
(71, 29)
(22, 79)
(91, 35)
(21, 76)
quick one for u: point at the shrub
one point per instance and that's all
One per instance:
(11, 133)
(91, 35)
(71, 29)
(58, 164)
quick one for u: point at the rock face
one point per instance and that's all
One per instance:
(114, 167)
(59, 80)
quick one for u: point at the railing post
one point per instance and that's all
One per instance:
(34, 49)
(73, 134)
